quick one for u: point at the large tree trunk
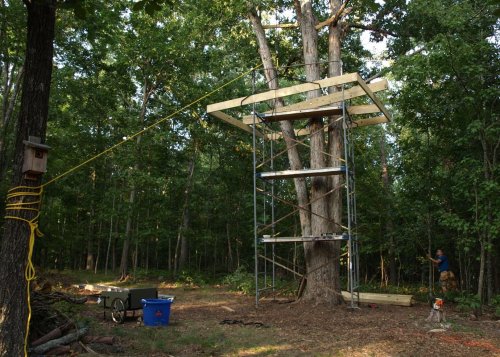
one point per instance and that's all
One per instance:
(32, 121)
(321, 257)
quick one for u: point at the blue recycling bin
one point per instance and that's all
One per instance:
(156, 311)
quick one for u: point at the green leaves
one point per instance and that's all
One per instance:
(151, 6)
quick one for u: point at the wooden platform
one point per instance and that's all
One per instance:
(275, 175)
(323, 238)
(322, 106)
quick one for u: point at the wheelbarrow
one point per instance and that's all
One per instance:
(121, 301)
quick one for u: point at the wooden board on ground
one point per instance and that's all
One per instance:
(382, 299)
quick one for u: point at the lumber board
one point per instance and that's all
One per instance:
(382, 299)
(283, 92)
(301, 114)
(326, 171)
(325, 238)
(235, 122)
(354, 92)
(369, 121)
(355, 124)
(363, 109)
(373, 97)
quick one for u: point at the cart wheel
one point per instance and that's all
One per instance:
(118, 310)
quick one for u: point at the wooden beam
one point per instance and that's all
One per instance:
(326, 171)
(301, 114)
(336, 97)
(363, 109)
(373, 97)
(283, 92)
(327, 238)
(369, 121)
(235, 122)
(382, 299)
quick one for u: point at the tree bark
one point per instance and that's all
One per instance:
(321, 257)
(286, 126)
(32, 121)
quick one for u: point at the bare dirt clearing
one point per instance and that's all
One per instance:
(203, 323)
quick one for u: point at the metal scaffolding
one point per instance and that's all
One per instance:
(271, 174)
(265, 197)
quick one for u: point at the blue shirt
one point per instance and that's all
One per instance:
(443, 263)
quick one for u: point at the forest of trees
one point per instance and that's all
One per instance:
(180, 198)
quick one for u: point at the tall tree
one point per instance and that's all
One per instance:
(323, 212)
(32, 122)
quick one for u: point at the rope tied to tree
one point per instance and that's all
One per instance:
(16, 195)
(15, 202)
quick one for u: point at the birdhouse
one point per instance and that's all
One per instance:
(35, 156)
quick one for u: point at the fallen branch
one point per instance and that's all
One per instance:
(60, 341)
(59, 351)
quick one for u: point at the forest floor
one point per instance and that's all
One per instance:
(202, 323)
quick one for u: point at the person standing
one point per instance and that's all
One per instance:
(446, 277)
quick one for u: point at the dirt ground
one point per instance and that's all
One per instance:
(203, 323)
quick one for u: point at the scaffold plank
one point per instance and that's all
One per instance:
(300, 114)
(369, 121)
(326, 171)
(322, 238)
(354, 92)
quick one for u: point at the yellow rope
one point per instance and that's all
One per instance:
(13, 193)
(148, 127)
(18, 205)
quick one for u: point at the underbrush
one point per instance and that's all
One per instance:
(242, 280)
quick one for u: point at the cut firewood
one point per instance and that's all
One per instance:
(60, 341)
(227, 308)
(55, 333)
(59, 351)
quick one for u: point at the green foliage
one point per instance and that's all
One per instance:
(241, 280)
(495, 303)
(191, 278)
(468, 302)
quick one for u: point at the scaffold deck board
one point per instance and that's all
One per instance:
(326, 100)
(300, 114)
(329, 237)
(327, 171)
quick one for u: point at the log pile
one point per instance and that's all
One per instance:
(52, 332)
